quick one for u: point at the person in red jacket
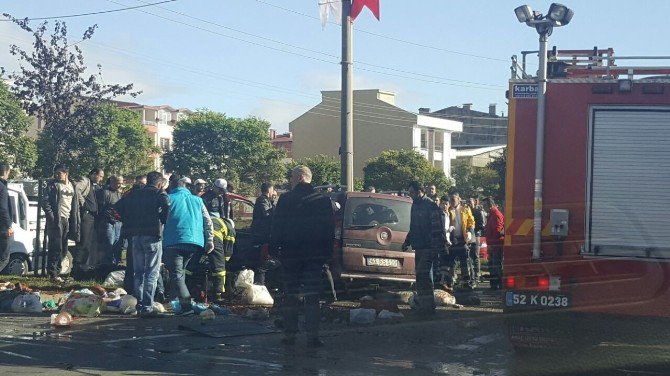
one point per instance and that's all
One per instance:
(495, 234)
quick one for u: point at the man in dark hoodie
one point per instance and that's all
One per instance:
(427, 236)
(302, 237)
(143, 213)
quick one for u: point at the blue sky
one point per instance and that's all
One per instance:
(250, 57)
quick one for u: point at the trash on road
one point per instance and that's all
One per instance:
(444, 298)
(50, 305)
(362, 316)
(128, 304)
(207, 314)
(61, 319)
(115, 279)
(27, 303)
(83, 303)
(256, 313)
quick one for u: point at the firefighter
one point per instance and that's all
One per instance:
(216, 199)
(224, 241)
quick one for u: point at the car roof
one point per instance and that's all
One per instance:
(377, 196)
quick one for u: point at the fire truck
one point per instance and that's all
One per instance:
(604, 257)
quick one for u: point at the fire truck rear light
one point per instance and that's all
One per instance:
(510, 282)
(543, 283)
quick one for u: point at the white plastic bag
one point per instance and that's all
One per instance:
(362, 316)
(27, 303)
(245, 279)
(115, 278)
(259, 295)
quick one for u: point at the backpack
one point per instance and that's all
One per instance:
(224, 235)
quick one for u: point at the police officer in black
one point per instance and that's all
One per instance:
(427, 236)
(302, 236)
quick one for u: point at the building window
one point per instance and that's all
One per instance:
(164, 117)
(424, 139)
(165, 144)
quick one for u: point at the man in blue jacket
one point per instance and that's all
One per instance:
(188, 229)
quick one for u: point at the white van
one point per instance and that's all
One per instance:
(22, 244)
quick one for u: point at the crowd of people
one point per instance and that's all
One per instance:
(444, 230)
(174, 221)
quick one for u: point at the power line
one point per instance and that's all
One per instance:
(93, 13)
(330, 55)
(388, 37)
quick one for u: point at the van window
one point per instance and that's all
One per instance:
(365, 211)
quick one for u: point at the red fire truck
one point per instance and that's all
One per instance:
(604, 260)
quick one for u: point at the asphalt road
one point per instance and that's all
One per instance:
(466, 341)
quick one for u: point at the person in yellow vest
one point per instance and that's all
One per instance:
(461, 235)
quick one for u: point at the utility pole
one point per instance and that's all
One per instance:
(347, 101)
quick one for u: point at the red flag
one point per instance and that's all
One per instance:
(358, 5)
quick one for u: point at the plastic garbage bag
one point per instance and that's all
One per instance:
(128, 304)
(207, 314)
(27, 303)
(245, 279)
(385, 315)
(115, 279)
(256, 313)
(362, 316)
(81, 304)
(158, 307)
(220, 310)
(258, 295)
(444, 298)
(199, 308)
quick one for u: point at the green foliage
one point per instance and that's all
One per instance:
(325, 169)
(15, 147)
(499, 165)
(117, 143)
(210, 145)
(474, 181)
(393, 170)
(54, 86)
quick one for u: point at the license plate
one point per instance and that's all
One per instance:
(535, 300)
(384, 262)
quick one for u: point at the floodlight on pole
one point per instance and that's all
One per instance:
(558, 15)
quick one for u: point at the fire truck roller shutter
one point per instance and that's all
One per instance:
(628, 190)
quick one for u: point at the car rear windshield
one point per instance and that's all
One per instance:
(374, 212)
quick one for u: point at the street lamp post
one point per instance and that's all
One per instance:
(558, 15)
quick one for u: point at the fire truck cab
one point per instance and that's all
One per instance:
(605, 244)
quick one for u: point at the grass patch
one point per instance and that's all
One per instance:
(46, 284)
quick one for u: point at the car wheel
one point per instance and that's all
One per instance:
(17, 265)
(66, 264)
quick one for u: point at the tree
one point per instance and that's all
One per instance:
(474, 181)
(325, 169)
(53, 85)
(499, 165)
(210, 145)
(117, 142)
(15, 147)
(393, 170)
